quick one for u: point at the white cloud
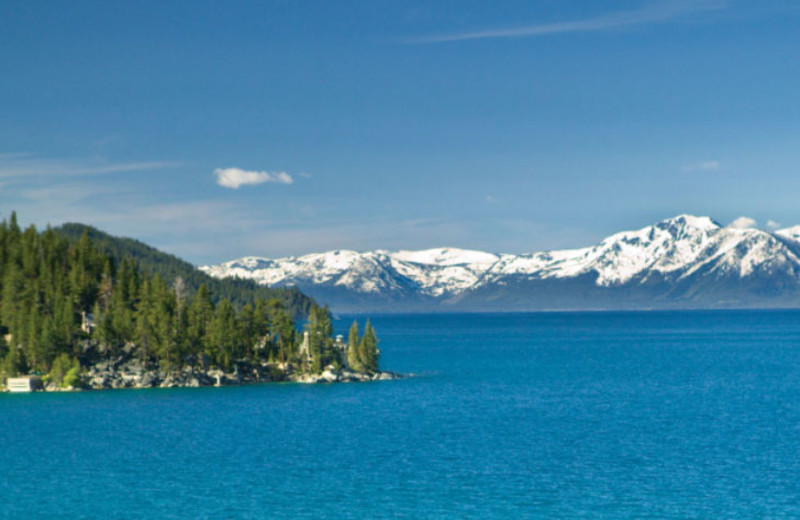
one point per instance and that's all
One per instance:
(648, 14)
(703, 166)
(743, 223)
(771, 224)
(234, 177)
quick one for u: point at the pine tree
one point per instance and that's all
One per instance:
(369, 349)
(353, 347)
(47, 283)
(247, 332)
(201, 317)
(223, 336)
(320, 331)
(283, 334)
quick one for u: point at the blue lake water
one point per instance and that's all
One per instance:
(566, 415)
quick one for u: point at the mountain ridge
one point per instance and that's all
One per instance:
(681, 262)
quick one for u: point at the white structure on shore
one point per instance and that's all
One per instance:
(24, 384)
(305, 348)
(340, 344)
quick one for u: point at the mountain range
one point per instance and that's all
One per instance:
(678, 263)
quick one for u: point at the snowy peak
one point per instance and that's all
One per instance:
(665, 246)
(686, 223)
(447, 256)
(792, 233)
(682, 250)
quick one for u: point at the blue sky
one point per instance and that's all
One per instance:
(215, 130)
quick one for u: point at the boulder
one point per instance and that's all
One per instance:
(148, 380)
(169, 381)
(98, 382)
(120, 383)
(204, 379)
(329, 376)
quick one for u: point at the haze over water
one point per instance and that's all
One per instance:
(565, 415)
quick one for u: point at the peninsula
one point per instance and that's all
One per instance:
(77, 316)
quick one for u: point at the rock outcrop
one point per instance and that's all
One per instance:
(124, 371)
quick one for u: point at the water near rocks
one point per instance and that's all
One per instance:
(569, 415)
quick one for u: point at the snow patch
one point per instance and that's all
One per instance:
(678, 247)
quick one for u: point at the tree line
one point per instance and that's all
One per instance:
(59, 296)
(152, 261)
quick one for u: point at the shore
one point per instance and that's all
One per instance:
(133, 374)
(126, 372)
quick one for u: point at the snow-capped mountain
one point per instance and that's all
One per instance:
(682, 262)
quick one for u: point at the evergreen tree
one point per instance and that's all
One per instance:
(320, 331)
(369, 349)
(201, 316)
(284, 335)
(353, 348)
(48, 284)
(223, 336)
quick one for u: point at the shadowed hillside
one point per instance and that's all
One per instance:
(170, 267)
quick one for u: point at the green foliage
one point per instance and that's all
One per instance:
(58, 294)
(368, 349)
(152, 261)
(73, 377)
(353, 348)
(65, 371)
(320, 331)
(12, 364)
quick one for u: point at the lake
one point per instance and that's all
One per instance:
(663, 415)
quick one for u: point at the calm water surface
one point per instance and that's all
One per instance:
(574, 415)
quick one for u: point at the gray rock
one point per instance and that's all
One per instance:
(232, 379)
(148, 380)
(329, 376)
(98, 382)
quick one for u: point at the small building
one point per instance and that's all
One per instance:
(340, 345)
(24, 384)
(87, 322)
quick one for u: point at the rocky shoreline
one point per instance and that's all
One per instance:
(128, 372)
(132, 373)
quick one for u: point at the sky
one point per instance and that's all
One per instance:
(215, 130)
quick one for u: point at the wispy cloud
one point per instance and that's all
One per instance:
(234, 178)
(772, 225)
(18, 165)
(647, 14)
(703, 166)
(743, 223)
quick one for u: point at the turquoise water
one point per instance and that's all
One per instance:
(574, 415)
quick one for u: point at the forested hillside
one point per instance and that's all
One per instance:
(65, 304)
(171, 268)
